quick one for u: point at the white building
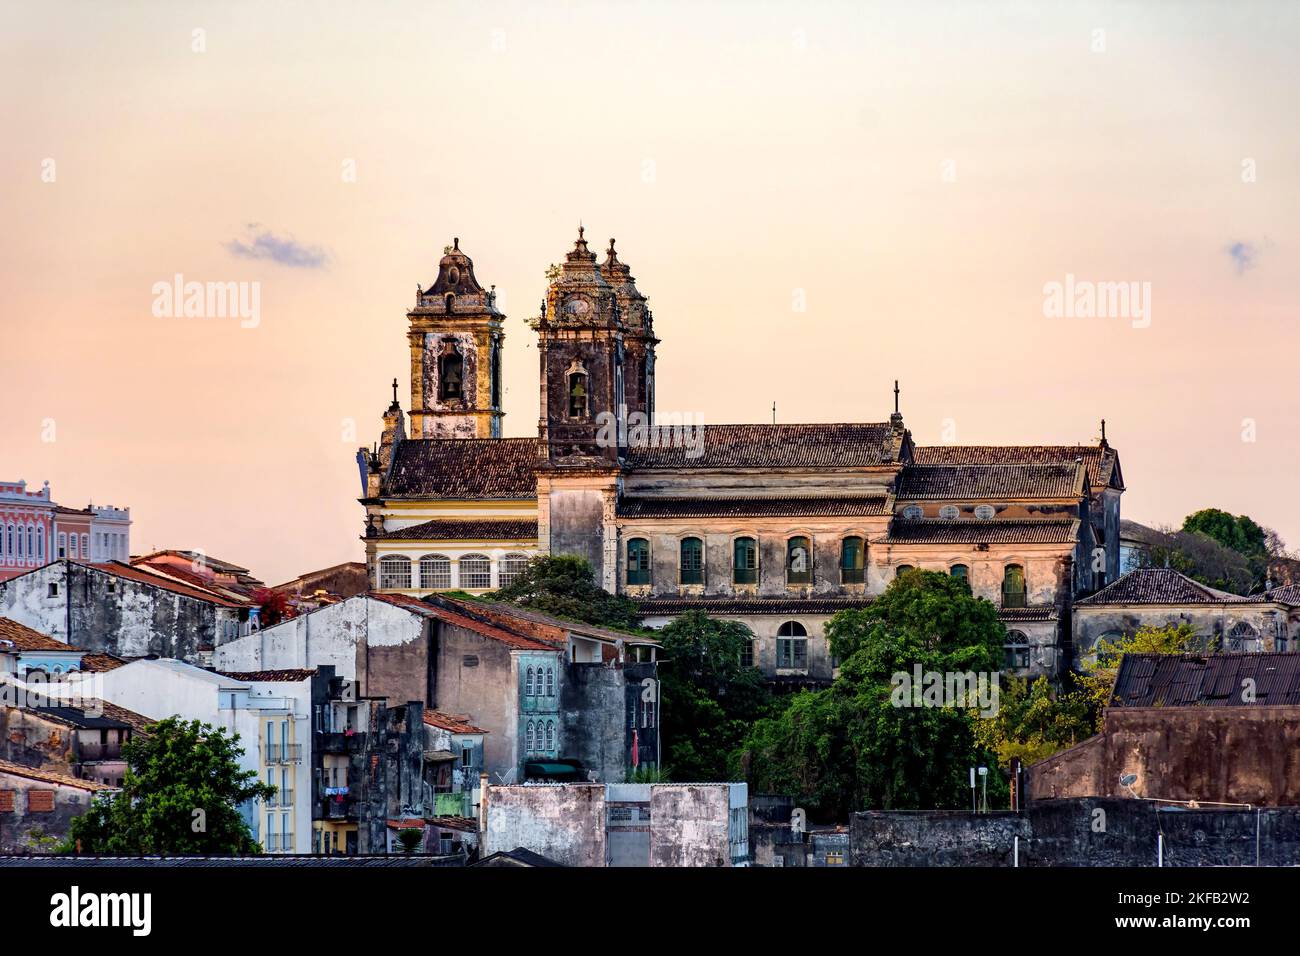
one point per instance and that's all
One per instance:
(110, 533)
(271, 712)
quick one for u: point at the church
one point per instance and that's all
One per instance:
(778, 526)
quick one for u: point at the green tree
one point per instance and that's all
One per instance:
(709, 698)
(565, 586)
(1239, 533)
(1035, 721)
(180, 796)
(853, 746)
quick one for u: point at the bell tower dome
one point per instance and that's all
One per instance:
(456, 335)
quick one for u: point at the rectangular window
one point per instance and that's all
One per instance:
(692, 561)
(747, 654)
(467, 756)
(792, 653)
(798, 561)
(851, 561)
(638, 561)
(745, 561)
(7, 801)
(40, 801)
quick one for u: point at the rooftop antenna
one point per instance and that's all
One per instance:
(774, 413)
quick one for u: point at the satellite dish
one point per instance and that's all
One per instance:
(1128, 779)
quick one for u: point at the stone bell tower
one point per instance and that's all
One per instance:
(456, 336)
(580, 342)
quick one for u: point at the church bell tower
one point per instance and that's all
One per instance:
(456, 336)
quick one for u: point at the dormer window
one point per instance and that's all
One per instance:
(985, 512)
(913, 512)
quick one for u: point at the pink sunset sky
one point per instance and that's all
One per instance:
(914, 173)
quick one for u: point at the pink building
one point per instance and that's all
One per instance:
(26, 528)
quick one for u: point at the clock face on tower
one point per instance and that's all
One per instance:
(576, 307)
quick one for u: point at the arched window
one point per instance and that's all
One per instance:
(1013, 586)
(1242, 637)
(913, 512)
(394, 572)
(475, 572)
(531, 739)
(798, 561)
(40, 544)
(744, 563)
(852, 561)
(21, 552)
(960, 571)
(792, 646)
(451, 369)
(638, 561)
(903, 569)
(550, 735)
(512, 566)
(550, 682)
(63, 544)
(1017, 650)
(528, 683)
(577, 394)
(435, 571)
(692, 561)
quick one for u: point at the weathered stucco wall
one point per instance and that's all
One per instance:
(564, 822)
(114, 615)
(1219, 754)
(21, 829)
(1211, 623)
(689, 825)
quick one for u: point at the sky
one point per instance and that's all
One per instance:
(818, 199)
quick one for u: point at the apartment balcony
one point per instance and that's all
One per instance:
(273, 843)
(286, 798)
(284, 753)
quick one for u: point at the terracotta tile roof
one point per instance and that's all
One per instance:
(1102, 463)
(543, 627)
(750, 507)
(454, 614)
(45, 776)
(1025, 615)
(466, 529)
(287, 675)
(1160, 586)
(142, 576)
(94, 714)
(237, 595)
(456, 723)
(464, 468)
(1214, 680)
(845, 445)
(26, 639)
(1001, 482)
(1286, 594)
(976, 531)
(99, 663)
(651, 607)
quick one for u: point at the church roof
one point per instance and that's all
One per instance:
(464, 468)
(467, 529)
(1102, 461)
(750, 507)
(770, 446)
(1160, 586)
(978, 531)
(1002, 481)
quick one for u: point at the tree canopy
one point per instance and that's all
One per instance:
(180, 796)
(853, 746)
(565, 585)
(710, 698)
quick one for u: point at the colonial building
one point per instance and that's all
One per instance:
(26, 527)
(778, 526)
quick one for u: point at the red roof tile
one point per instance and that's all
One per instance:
(840, 445)
(456, 723)
(45, 776)
(26, 639)
(129, 572)
(466, 529)
(464, 469)
(750, 507)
